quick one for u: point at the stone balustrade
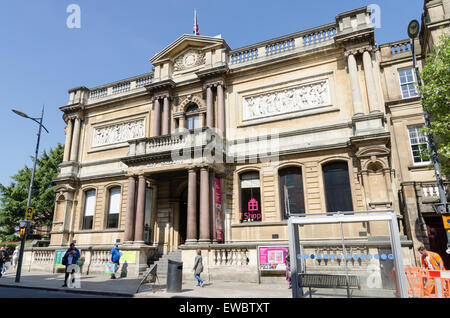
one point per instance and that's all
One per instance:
(164, 144)
(400, 47)
(121, 87)
(229, 257)
(124, 86)
(300, 41)
(280, 46)
(43, 257)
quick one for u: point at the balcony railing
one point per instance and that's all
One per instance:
(179, 140)
(301, 41)
(120, 87)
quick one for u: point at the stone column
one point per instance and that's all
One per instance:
(182, 123)
(156, 118)
(212, 204)
(140, 211)
(166, 117)
(370, 82)
(221, 109)
(191, 232)
(68, 143)
(205, 233)
(209, 107)
(129, 223)
(356, 89)
(75, 140)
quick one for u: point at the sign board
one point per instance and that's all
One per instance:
(219, 211)
(272, 258)
(446, 219)
(129, 257)
(58, 259)
(29, 213)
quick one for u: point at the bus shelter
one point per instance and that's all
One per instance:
(347, 254)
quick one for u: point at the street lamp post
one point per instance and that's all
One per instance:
(27, 223)
(442, 207)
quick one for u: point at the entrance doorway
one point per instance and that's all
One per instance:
(182, 226)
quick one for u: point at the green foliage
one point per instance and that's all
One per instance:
(436, 92)
(13, 198)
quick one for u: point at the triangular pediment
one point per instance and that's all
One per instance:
(186, 43)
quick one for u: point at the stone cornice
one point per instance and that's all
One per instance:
(166, 86)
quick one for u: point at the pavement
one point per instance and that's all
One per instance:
(101, 285)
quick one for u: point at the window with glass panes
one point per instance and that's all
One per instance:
(192, 117)
(291, 191)
(418, 142)
(408, 83)
(250, 197)
(113, 208)
(89, 209)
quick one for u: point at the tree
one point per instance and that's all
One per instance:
(436, 92)
(13, 198)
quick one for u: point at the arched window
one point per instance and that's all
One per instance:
(113, 208)
(250, 197)
(89, 209)
(338, 193)
(291, 191)
(192, 117)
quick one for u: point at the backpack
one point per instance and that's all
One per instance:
(64, 260)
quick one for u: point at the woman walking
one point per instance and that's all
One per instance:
(198, 268)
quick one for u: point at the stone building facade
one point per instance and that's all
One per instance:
(316, 121)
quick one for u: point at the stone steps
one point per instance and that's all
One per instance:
(162, 262)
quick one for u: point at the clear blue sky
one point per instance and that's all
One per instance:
(41, 58)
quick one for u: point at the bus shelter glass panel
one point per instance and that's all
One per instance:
(349, 260)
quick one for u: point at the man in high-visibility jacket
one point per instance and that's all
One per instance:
(433, 262)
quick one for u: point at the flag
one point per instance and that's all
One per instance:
(196, 29)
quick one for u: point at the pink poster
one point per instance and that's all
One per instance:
(272, 258)
(219, 212)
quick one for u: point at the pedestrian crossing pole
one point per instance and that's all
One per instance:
(29, 211)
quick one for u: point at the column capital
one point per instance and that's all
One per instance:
(358, 50)
(162, 96)
(214, 84)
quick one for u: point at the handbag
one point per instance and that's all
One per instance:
(110, 268)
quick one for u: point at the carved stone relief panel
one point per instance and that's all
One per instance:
(121, 132)
(287, 100)
(188, 60)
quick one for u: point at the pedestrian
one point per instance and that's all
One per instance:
(433, 262)
(15, 256)
(70, 258)
(5, 256)
(1, 261)
(115, 258)
(198, 268)
(288, 269)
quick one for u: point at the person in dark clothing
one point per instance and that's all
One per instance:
(288, 269)
(70, 258)
(1, 261)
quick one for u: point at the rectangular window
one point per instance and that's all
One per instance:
(113, 208)
(291, 191)
(89, 209)
(338, 193)
(193, 122)
(250, 198)
(408, 83)
(418, 142)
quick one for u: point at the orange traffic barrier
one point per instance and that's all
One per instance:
(424, 283)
